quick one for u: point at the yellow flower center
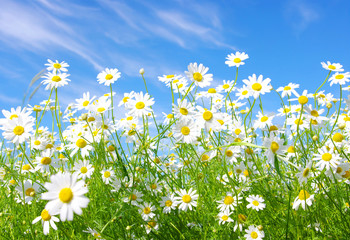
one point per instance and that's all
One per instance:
(26, 167)
(314, 113)
(205, 157)
(197, 76)
(18, 130)
(331, 67)
(140, 105)
(107, 174)
(338, 137)
(274, 147)
(291, 149)
(109, 76)
(168, 203)
(57, 65)
(256, 87)
(30, 192)
(346, 174)
(185, 130)
(170, 116)
(45, 161)
(255, 203)
(306, 172)
(37, 142)
(81, 143)
(229, 153)
(85, 103)
(83, 169)
(66, 195)
(56, 78)
(303, 100)
(225, 86)
(339, 170)
(245, 92)
(13, 116)
(133, 197)
(297, 121)
(183, 111)
(224, 218)
(264, 119)
(238, 131)
(254, 235)
(211, 90)
(221, 121)
(242, 218)
(45, 215)
(207, 115)
(146, 210)
(286, 88)
(339, 76)
(303, 195)
(228, 200)
(101, 109)
(151, 224)
(186, 198)
(327, 157)
(237, 60)
(91, 119)
(273, 128)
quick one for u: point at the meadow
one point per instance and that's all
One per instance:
(216, 165)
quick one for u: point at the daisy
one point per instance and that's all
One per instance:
(53, 80)
(198, 74)
(253, 233)
(186, 199)
(108, 76)
(326, 158)
(183, 110)
(84, 168)
(80, 144)
(255, 202)
(236, 60)
(65, 195)
(243, 93)
(27, 191)
(84, 102)
(274, 145)
(288, 90)
(263, 120)
(45, 161)
(107, 175)
(336, 67)
(229, 202)
(47, 220)
(135, 197)
(126, 98)
(304, 173)
(168, 202)
(101, 105)
(18, 130)
(232, 153)
(211, 93)
(225, 86)
(141, 105)
(151, 225)
(207, 119)
(39, 142)
(340, 78)
(257, 86)
(167, 118)
(94, 233)
(186, 131)
(56, 66)
(15, 113)
(146, 211)
(224, 217)
(303, 198)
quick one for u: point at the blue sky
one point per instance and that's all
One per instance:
(286, 41)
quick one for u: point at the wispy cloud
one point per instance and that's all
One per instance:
(300, 15)
(32, 28)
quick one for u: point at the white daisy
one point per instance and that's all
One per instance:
(236, 60)
(47, 220)
(108, 76)
(186, 199)
(198, 74)
(253, 233)
(56, 66)
(186, 131)
(302, 199)
(65, 195)
(336, 67)
(255, 202)
(257, 86)
(141, 105)
(53, 80)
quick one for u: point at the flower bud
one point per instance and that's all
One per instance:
(142, 71)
